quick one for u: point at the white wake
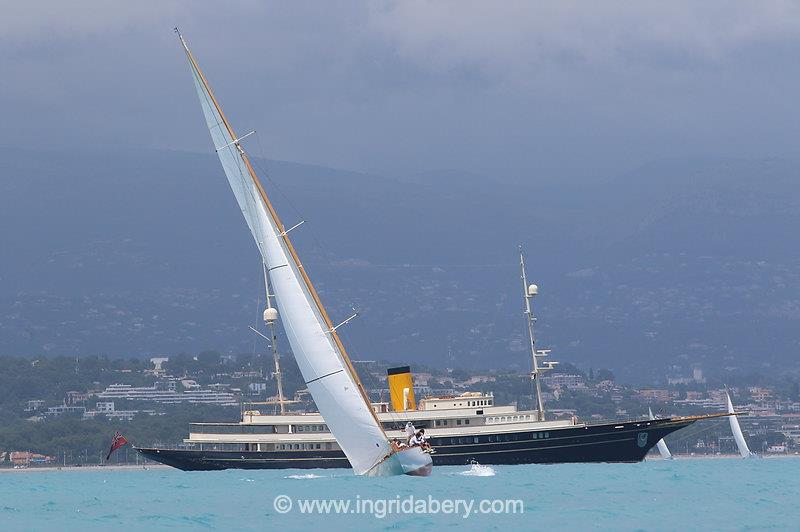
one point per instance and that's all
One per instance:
(303, 477)
(478, 470)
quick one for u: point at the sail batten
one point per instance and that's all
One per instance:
(320, 355)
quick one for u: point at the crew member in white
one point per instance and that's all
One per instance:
(410, 432)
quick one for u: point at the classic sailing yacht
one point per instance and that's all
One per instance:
(321, 356)
(744, 450)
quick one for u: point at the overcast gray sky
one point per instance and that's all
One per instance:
(513, 89)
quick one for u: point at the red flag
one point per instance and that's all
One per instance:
(118, 441)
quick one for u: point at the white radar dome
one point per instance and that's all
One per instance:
(533, 290)
(270, 314)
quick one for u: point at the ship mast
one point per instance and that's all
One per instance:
(284, 236)
(529, 291)
(270, 316)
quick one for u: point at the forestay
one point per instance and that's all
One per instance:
(319, 354)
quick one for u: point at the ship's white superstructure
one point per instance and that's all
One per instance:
(462, 417)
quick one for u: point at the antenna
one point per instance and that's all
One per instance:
(270, 317)
(529, 292)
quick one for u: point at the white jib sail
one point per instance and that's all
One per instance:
(744, 450)
(327, 375)
(662, 445)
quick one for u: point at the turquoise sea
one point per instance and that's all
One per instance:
(689, 494)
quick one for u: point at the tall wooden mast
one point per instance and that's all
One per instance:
(283, 233)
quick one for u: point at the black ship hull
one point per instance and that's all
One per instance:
(620, 442)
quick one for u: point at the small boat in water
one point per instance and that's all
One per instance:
(741, 444)
(662, 445)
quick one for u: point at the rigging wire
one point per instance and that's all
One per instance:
(368, 380)
(255, 324)
(232, 151)
(372, 381)
(321, 249)
(265, 174)
(696, 430)
(255, 340)
(325, 254)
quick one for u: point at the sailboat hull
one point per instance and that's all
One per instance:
(736, 429)
(664, 450)
(621, 442)
(412, 461)
(662, 445)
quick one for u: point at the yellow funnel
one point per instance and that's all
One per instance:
(401, 389)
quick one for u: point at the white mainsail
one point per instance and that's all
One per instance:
(744, 450)
(662, 445)
(320, 354)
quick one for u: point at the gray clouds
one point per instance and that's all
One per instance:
(518, 35)
(513, 89)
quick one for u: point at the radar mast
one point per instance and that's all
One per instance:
(529, 292)
(270, 317)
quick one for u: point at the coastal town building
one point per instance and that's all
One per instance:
(167, 396)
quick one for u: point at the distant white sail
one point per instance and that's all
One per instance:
(662, 445)
(319, 353)
(744, 450)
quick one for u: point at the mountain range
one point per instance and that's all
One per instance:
(681, 263)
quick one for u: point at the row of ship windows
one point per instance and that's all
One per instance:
(311, 428)
(259, 429)
(270, 429)
(302, 446)
(444, 422)
(482, 402)
(509, 419)
(493, 438)
(266, 446)
(238, 429)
